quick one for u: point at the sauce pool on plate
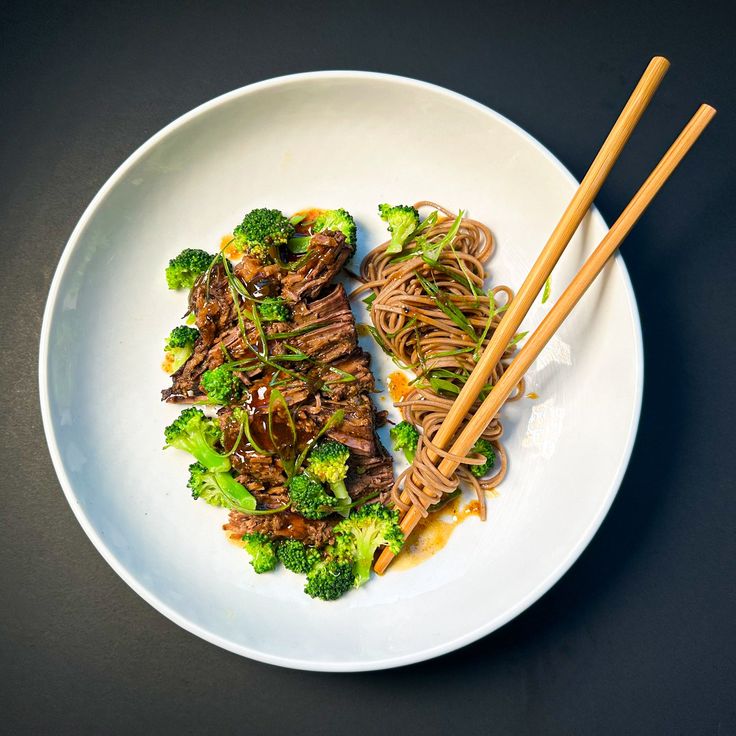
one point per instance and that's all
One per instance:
(398, 385)
(433, 533)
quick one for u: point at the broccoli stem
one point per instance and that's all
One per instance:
(200, 449)
(235, 493)
(340, 491)
(410, 454)
(366, 546)
(362, 568)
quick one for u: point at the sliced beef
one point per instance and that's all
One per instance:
(326, 308)
(370, 474)
(357, 430)
(353, 376)
(329, 343)
(328, 253)
(257, 472)
(212, 304)
(328, 325)
(260, 280)
(336, 377)
(284, 525)
(185, 382)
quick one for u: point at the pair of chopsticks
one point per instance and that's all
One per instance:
(558, 240)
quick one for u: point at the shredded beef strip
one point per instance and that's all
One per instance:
(285, 525)
(329, 253)
(370, 474)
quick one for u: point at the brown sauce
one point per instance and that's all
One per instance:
(280, 440)
(433, 533)
(256, 401)
(295, 529)
(262, 287)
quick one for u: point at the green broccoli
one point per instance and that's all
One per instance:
(274, 309)
(402, 221)
(219, 489)
(186, 268)
(296, 556)
(196, 434)
(309, 498)
(485, 448)
(328, 462)
(262, 551)
(331, 577)
(335, 220)
(179, 347)
(369, 527)
(405, 436)
(221, 385)
(262, 230)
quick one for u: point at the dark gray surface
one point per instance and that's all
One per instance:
(639, 636)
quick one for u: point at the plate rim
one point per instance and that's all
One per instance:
(150, 597)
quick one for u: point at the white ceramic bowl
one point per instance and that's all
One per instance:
(333, 139)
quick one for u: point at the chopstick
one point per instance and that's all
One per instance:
(550, 254)
(562, 308)
(569, 221)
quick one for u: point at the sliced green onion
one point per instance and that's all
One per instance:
(517, 338)
(547, 289)
(266, 512)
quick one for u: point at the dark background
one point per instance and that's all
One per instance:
(639, 636)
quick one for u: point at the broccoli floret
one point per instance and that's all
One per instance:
(262, 552)
(296, 556)
(262, 230)
(369, 527)
(309, 497)
(335, 220)
(402, 221)
(219, 489)
(328, 462)
(485, 448)
(181, 337)
(274, 309)
(203, 485)
(331, 577)
(186, 268)
(221, 385)
(179, 347)
(405, 436)
(194, 433)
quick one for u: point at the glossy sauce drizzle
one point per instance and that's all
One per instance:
(310, 215)
(229, 248)
(398, 385)
(433, 533)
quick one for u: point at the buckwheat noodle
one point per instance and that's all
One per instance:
(419, 334)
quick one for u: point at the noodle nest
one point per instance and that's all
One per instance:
(435, 317)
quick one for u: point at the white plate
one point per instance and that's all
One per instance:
(333, 139)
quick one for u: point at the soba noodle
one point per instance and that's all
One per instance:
(435, 318)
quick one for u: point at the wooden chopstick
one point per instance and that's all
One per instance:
(562, 308)
(550, 254)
